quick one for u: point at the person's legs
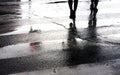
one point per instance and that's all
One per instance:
(75, 8)
(75, 5)
(96, 3)
(92, 4)
(70, 3)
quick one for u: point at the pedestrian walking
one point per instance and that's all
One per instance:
(94, 4)
(73, 7)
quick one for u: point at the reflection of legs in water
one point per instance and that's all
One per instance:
(73, 9)
(72, 26)
(71, 36)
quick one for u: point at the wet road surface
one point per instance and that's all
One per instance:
(36, 41)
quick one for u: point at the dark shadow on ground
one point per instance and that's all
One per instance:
(87, 54)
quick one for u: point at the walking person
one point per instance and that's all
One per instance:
(93, 13)
(73, 7)
(94, 4)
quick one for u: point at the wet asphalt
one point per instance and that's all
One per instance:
(39, 41)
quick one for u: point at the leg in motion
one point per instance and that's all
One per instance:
(70, 3)
(75, 8)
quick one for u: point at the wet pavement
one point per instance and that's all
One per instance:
(36, 38)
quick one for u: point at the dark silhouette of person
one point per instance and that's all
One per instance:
(92, 18)
(94, 4)
(93, 13)
(73, 7)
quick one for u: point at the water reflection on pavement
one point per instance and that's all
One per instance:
(37, 37)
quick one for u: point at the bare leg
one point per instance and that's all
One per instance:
(70, 3)
(75, 8)
(96, 3)
(92, 4)
(75, 5)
